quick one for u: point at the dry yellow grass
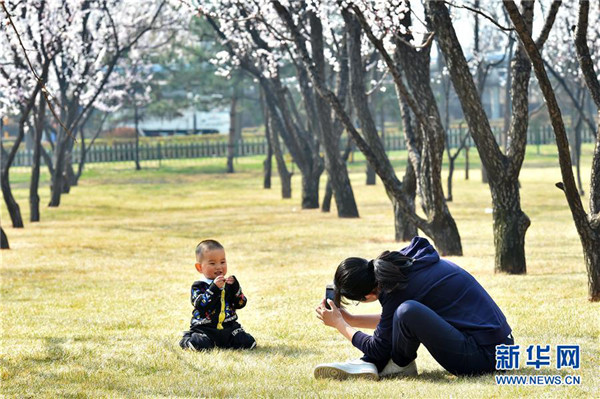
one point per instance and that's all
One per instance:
(94, 298)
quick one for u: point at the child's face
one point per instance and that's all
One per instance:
(213, 264)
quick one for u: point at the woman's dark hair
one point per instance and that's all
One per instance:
(390, 269)
(355, 278)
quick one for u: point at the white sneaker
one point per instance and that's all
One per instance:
(350, 369)
(393, 370)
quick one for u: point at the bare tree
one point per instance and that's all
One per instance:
(300, 143)
(510, 222)
(425, 138)
(85, 148)
(233, 125)
(445, 236)
(73, 79)
(587, 224)
(327, 131)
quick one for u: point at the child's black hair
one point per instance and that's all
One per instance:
(355, 278)
(206, 245)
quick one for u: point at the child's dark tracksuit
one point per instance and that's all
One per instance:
(214, 318)
(444, 308)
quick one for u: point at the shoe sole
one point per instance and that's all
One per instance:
(339, 374)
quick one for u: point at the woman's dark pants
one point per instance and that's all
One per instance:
(459, 353)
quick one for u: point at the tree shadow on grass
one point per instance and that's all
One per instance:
(437, 376)
(54, 352)
(283, 350)
(261, 351)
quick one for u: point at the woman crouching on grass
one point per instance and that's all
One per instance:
(425, 300)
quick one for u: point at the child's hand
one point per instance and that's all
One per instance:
(219, 281)
(230, 280)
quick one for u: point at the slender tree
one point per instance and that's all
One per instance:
(510, 222)
(247, 49)
(84, 67)
(446, 239)
(587, 224)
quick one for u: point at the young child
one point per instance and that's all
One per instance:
(215, 299)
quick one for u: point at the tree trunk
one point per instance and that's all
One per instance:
(82, 155)
(301, 144)
(298, 143)
(467, 163)
(510, 225)
(34, 198)
(267, 166)
(326, 204)
(284, 175)
(484, 175)
(62, 159)
(11, 204)
(428, 164)
(310, 191)
(452, 160)
(62, 156)
(371, 147)
(576, 144)
(70, 180)
(3, 239)
(371, 176)
(404, 228)
(47, 160)
(587, 225)
(449, 181)
(232, 130)
(335, 166)
(444, 232)
(591, 255)
(479, 76)
(507, 99)
(85, 149)
(59, 170)
(137, 134)
(267, 163)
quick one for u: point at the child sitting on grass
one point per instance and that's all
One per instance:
(215, 299)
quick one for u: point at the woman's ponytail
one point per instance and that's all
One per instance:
(390, 269)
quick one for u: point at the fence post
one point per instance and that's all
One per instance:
(159, 154)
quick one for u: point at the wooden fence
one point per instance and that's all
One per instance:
(255, 146)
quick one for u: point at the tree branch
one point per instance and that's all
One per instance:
(479, 12)
(44, 90)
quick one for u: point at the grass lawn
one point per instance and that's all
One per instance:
(96, 295)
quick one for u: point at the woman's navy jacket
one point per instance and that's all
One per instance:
(445, 288)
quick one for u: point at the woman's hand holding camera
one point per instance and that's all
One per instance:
(330, 317)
